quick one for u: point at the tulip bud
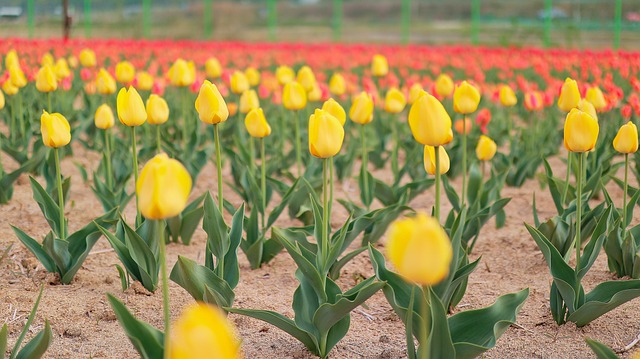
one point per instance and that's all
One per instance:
(486, 148)
(180, 74)
(394, 101)
(294, 96)
(87, 58)
(55, 129)
(253, 76)
(46, 79)
(580, 131)
(130, 107)
(157, 110)
(257, 124)
(47, 59)
(213, 68)
(466, 98)
(335, 109)
(419, 249)
(16, 76)
(444, 85)
(569, 95)
(414, 92)
(430, 160)
(11, 59)
(125, 72)
(163, 188)
(595, 96)
(337, 84)
(361, 110)
(285, 74)
(248, 101)
(315, 94)
(9, 88)
(326, 134)
(239, 82)
(379, 66)
(103, 118)
(587, 107)
(144, 81)
(105, 83)
(626, 141)
(210, 104)
(306, 78)
(429, 121)
(203, 331)
(507, 96)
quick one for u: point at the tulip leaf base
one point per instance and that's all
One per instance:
(148, 341)
(64, 257)
(183, 226)
(464, 335)
(622, 245)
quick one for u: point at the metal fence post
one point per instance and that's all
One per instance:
(146, 18)
(30, 17)
(475, 21)
(337, 20)
(548, 6)
(618, 25)
(406, 20)
(272, 18)
(208, 19)
(87, 18)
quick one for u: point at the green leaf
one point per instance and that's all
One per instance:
(4, 333)
(217, 231)
(37, 346)
(604, 298)
(231, 267)
(475, 331)
(35, 248)
(196, 279)
(284, 201)
(440, 343)
(124, 283)
(148, 341)
(47, 205)
(27, 325)
(366, 194)
(602, 351)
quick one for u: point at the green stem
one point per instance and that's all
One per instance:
(394, 148)
(437, 210)
(624, 195)
(330, 188)
(135, 173)
(107, 153)
(158, 139)
(60, 193)
(159, 232)
(325, 214)
(365, 162)
(567, 178)
(185, 123)
(252, 156)
(296, 126)
(263, 182)
(426, 322)
(464, 161)
(579, 208)
(20, 113)
(49, 101)
(216, 135)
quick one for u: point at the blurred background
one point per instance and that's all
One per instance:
(550, 23)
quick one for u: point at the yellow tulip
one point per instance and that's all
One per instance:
(569, 95)
(430, 160)
(466, 98)
(414, 92)
(587, 107)
(419, 249)
(213, 68)
(394, 101)
(486, 148)
(315, 94)
(144, 81)
(595, 96)
(16, 76)
(163, 188)
(210, 104)
(337, 84)
(9, 88)
(248, 101)
(47, 59)
(11, 59)
(257, 124)
(87, 58)
(429, 121)
(294, 96)
(253, 76)
(105, 83)
(361, 110)
(203, 331)
(46, 79)
(379, 66)
(326, 134)
(73, 62)
(580, 131)
(444, 85)
(626, 141)
(335, 109)
(2, 101)
(62, 69)
(157, 110)
(55, 129)
(507, 96)
(239, 82)
(285, 74)
(181, 74)
(125, 72)
(306, 78)
(104, 118)
(131, 111)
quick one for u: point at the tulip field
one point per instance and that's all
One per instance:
(179, 199)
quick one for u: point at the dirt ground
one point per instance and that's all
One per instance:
(85, 327)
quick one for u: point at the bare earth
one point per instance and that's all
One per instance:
(85, 327)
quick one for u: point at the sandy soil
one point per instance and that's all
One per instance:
(85, 327)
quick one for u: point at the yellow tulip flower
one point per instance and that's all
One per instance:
(157, 110)
(379, 66)
(306, 78)
(55, 129)
(239, 82)
(181, 74)
(104, 118)
(257, 124)
(163, 188)
(213, 68)
(394, 101)
(595, 96)
(507, 96)
(337, 84)
(210, 104)
(466, 98)
(569, 95)
(587, 107)
(253, 76)
(46, 79)
(580, 131)
(144, 81)
(335, 109)
(105, 83)
(87, 58)
(131, 110)
(430, 160)
(361, 110)
(486, 148)
(125, 72)
(285, 74)
(626, 141)
(444, 85)
(294, 96)
(248, 101)
(326, 134)
(414, 92)
(429, 122)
